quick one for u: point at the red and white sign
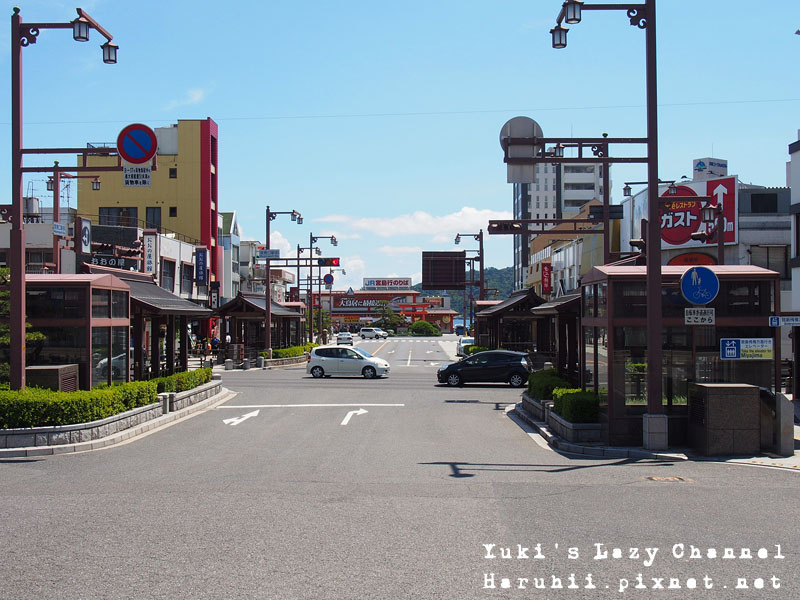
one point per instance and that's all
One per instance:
(681, 216)
(547, 279)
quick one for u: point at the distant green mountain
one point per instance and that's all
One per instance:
(501, 280)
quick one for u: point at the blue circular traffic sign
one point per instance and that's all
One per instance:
(699, 285)
(137, 143)
(328, 279)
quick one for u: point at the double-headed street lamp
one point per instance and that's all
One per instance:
(271, 216)
(22, 35)
(478, 237)
(642, 16)
(313, 239)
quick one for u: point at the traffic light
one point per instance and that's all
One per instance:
(328, 262)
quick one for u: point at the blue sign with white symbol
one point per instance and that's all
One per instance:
(730, 348)
(699, 285)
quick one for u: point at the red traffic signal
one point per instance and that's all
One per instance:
(328, 262)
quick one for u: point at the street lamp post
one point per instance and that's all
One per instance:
(22, 35)
(312, 239)
(478, 237)
(642, 16)
(54, 185)
(271, 216)
(713, 213)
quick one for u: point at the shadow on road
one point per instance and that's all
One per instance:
(459, 470)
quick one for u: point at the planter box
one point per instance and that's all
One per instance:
(535, 407)
(574, 432)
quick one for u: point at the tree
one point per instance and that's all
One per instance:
(33, 338)
(388, 318)
(423, 328)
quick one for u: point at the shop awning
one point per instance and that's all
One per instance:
(565, 303)
(160, 301)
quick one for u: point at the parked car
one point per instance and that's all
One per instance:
(117, 364)
(372, 333)
(344, 337)
(489, 366)
(463, 343)
(325, 361)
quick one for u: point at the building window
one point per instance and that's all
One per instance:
(168, 275)
(173, 174)
(578, 186)
(775, 258)
(764, 203)
(101, 304)
(578, 169)
(173, 212)
(119, 217)
(119, 305)
(153, 217)
(187, 279)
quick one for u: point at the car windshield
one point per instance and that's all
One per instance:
(466, 340)
(362, 352)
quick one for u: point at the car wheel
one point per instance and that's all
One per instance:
(369, 372)
(317, 372)
(114, 372)
(453, 379)
(516, 380)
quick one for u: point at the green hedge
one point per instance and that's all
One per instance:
(576, 405)
(424, 328)
(290, 351)
(473, 349)
(180, 382)
(542, 383)
(35, 407)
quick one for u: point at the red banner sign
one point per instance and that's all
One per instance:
(547, 280)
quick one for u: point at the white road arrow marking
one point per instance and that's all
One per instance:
(360, 411)
(429, 352)
(237, 420)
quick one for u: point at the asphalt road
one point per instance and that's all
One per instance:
(312, 498)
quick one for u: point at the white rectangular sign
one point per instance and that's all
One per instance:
(137, 176)
(150, 254)
(271, 253)
(699, 316)
(59, 229)
(402, 283)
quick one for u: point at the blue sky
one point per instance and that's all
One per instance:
(379, 122)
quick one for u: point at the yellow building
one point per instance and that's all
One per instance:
(182, 197)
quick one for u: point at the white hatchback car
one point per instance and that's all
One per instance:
(372, 333)
(325, 361)
(462, 345)
(344, 337)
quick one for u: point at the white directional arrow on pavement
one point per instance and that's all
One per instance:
(360, 411)
(237, 420)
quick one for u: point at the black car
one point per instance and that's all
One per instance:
(493, 365)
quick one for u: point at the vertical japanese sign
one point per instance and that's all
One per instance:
(547, 277)
(150, 253)
(200, 263)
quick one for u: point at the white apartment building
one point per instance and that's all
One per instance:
(559, 193)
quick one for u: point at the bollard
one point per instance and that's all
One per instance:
(246, 364)
(164, 403)
(260, 362)
(228, 364)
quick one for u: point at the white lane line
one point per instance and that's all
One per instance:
(408, 364)
(303, 405)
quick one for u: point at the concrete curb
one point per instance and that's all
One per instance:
(122, 436)
(594, 451)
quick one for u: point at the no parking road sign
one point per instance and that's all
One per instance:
(137, 143)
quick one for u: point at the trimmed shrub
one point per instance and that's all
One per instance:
(473, 349)
(542, 383)
(289, 352)
(424, 328)
(576, 405)
(34, 407)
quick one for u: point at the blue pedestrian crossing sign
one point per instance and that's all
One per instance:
(699, 285)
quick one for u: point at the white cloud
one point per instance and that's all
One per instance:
(192, 96)
(399, 250)
(440, 228)
(277, 241)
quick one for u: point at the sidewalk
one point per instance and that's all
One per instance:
(598, 451)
